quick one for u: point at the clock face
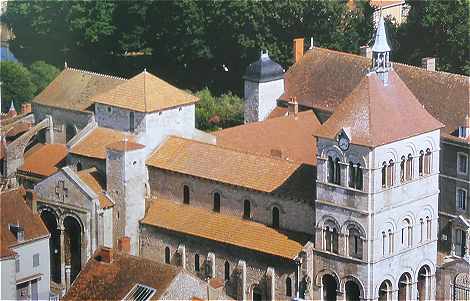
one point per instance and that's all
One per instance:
(343, 143)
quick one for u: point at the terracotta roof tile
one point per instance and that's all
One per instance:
(145, 93)
(44, 159)
(16, 129)
(224, 228)
(220, 164)
(99, 280)
(125, 146)
(72, 89)
(292, 136)
(14, 210)
(323, 78)
(97, 183)
(371, 110)
(278, 112)
(95, 143)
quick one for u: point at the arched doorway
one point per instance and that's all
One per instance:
(50, 221)
(73, 246)
(353, 292)
(385, 291)
(257, 294)
(329, 288)
(404, 287)
(423, 283)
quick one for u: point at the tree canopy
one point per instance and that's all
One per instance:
(17, 85)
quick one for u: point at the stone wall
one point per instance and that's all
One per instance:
(261, 99)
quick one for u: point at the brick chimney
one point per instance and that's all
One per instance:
(293, 107)
(298, 49)
(26, 108)
(429, 63)
(366, 52)
(124, 245)
(105, 255)
(277, 153)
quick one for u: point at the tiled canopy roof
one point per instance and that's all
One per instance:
(145, 93)
(13, 209)
(221, 164)
(377, 114)
(95, 143)
(292, 136)
(72, 89)
(224, 228)
(96, 182)
(323, 78)
(43, 160)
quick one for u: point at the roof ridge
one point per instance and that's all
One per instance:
(237, 150)
(95, 73)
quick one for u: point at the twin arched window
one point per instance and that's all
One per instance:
(425, 162)
(331, 239)
(388, 174)
(355, 176)
(334, 171)
(355, 243)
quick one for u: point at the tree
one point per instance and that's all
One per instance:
(42, 74)
(436, 29)
(17, 85)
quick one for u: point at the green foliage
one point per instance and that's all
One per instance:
(17, 85)
(438, 29)
(42, 74)
(213, 113)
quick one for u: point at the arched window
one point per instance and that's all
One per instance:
(331, 239)
(404, 287)
(359, 177)
(355, 243)
(406, 233)
(421, 229)
(331, 170)
(390, 242)
(186, 194)
(391, 173)
(227, 271)
(167, 255)
(428, 227)
(384, 174)
(384, 243)
(275, 218)
(337, 172)
(385, 291)
(288, 287)
(427, 162)
(197, 267)
(216, 202)
(409, 168)
(421, 163)
(247, 209)
(402, 169)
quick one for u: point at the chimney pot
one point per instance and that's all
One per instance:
(429, 63)
(293, 107)
(105, 255)
(298, 49)
(124, 244)
(366, 52)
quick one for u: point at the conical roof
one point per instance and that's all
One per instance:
(376, 114)
(381, 44)
(145, 93)
(263, 70)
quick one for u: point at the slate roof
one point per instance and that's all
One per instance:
(95, 143)
(292, 136)
(263, 70)
(72, 89)
(97, 183)
(43, 159)
(262, 173)
(145, 93)
(224, 228)
(14, 210)
(99, 280)
(376, 114)
(323, 78)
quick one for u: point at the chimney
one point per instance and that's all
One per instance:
(26, 108)
(429, 63)
(276, 153)
(298, 49)
(124, 244)
(105, 255)
(293, 107)
(366, 52)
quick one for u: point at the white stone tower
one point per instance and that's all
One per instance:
(377, 193)
(264, 84)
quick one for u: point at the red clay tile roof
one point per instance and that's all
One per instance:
(43, 159)
(112, 281)
(224, 228)
(72, 89)
(323, 78)
(95, 143)
(121, 146)
(292, 136)
(376, 114)
(16, 129)
(221, 164)
(278, 112)
(14, 210)
(145, 93)
(97, 183)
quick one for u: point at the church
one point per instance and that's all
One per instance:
(348, 181)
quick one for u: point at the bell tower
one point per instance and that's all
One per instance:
(381, 53)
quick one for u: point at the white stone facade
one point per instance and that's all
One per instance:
(261, 98)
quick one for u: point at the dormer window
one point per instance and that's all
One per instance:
(464, 132)
(18, 231)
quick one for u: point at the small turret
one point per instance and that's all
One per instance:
(12, 110)
(381, 53)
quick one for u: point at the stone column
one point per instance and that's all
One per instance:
(466, 256)
(67, 277)
(271, 283)
(241, 287)
(62, 255)
(344, 173)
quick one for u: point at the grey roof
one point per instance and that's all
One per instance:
(381, 44)
(263, 70)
